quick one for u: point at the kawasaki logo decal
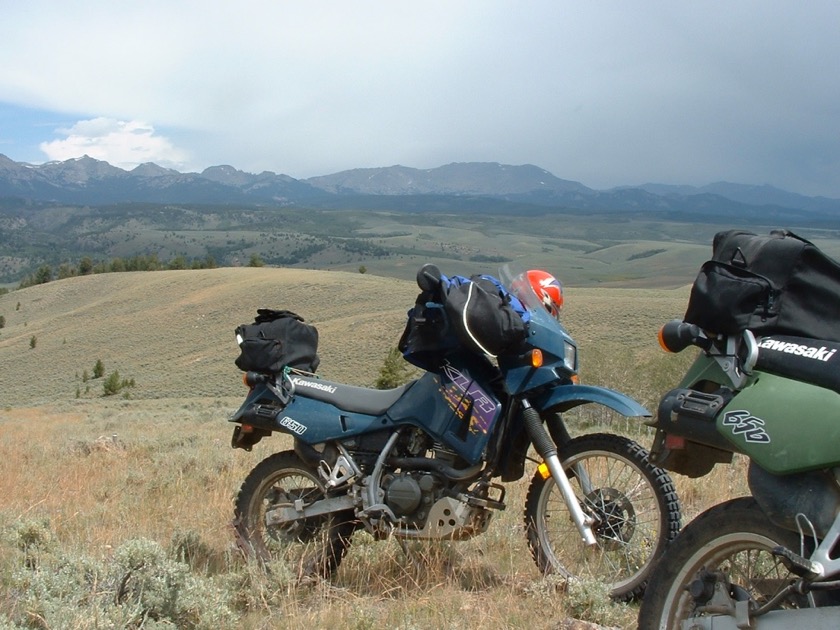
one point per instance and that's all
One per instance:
(747, 425)
(809, 352)
(313, 385)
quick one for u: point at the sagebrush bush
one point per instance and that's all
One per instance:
(146, 579)
(33, 535)
(589, 600)
(190, 548)
(139, 586)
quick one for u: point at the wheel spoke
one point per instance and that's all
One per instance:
(729, 548)
(629, 501)
(308, 546)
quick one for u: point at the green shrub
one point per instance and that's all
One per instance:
(33, 537)
(114, 384)
(395, 371)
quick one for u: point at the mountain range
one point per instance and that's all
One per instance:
(473, 186)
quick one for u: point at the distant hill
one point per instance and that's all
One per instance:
(172, 331)
(472, 178)
(752, 195)
(457, 187)
(94, 182)
(465, 217)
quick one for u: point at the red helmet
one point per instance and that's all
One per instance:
(548, 289)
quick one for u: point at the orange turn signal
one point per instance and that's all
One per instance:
(661, 339)
(536, 358)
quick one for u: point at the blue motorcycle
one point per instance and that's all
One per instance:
(428, 459)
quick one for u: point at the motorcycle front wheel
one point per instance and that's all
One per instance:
(309, 547)
(735, 538)
(634, 505)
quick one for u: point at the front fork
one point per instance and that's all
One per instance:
(548, 451)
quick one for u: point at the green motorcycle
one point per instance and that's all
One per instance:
(768, 389)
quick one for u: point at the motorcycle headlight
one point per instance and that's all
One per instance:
(570, 356)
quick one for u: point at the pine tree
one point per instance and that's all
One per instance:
(394, 372)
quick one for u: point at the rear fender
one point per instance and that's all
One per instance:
(565, 397)
(259, 409)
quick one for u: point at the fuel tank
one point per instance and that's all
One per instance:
(457, 406)
(784, 425)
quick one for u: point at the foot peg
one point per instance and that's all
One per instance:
(798, 565)
(343, 472)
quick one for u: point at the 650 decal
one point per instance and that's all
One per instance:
(292, 425)
(745, 424)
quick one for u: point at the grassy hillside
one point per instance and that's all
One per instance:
(172, 331)
(101, 492)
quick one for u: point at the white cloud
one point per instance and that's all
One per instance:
(121, 143)
(604, 93)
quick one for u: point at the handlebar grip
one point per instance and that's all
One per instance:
(677, 335)
(429, 277)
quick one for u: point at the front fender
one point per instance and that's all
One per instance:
(565, 397)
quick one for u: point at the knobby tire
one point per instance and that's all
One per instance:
(634, 502)
(309, 547)
(735, 536)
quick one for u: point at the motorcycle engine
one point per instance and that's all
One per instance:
(408, 492)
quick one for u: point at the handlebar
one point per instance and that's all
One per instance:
(252, 379)
(429, 277)
(677, 335)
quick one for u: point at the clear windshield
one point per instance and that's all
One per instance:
(516, 280)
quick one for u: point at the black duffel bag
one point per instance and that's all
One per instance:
(483, 317)
(277, 339)
(776, 284)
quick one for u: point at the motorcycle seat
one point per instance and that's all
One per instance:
(372, 402)
(813, 361)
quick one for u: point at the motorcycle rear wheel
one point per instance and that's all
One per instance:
(735, 537)
(634, 503)
(309, 547)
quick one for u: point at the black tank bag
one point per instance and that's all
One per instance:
(775, 284)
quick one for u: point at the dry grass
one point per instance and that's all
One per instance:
(98, 473)
(172, 331)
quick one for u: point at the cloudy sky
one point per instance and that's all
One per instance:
(604, 93)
